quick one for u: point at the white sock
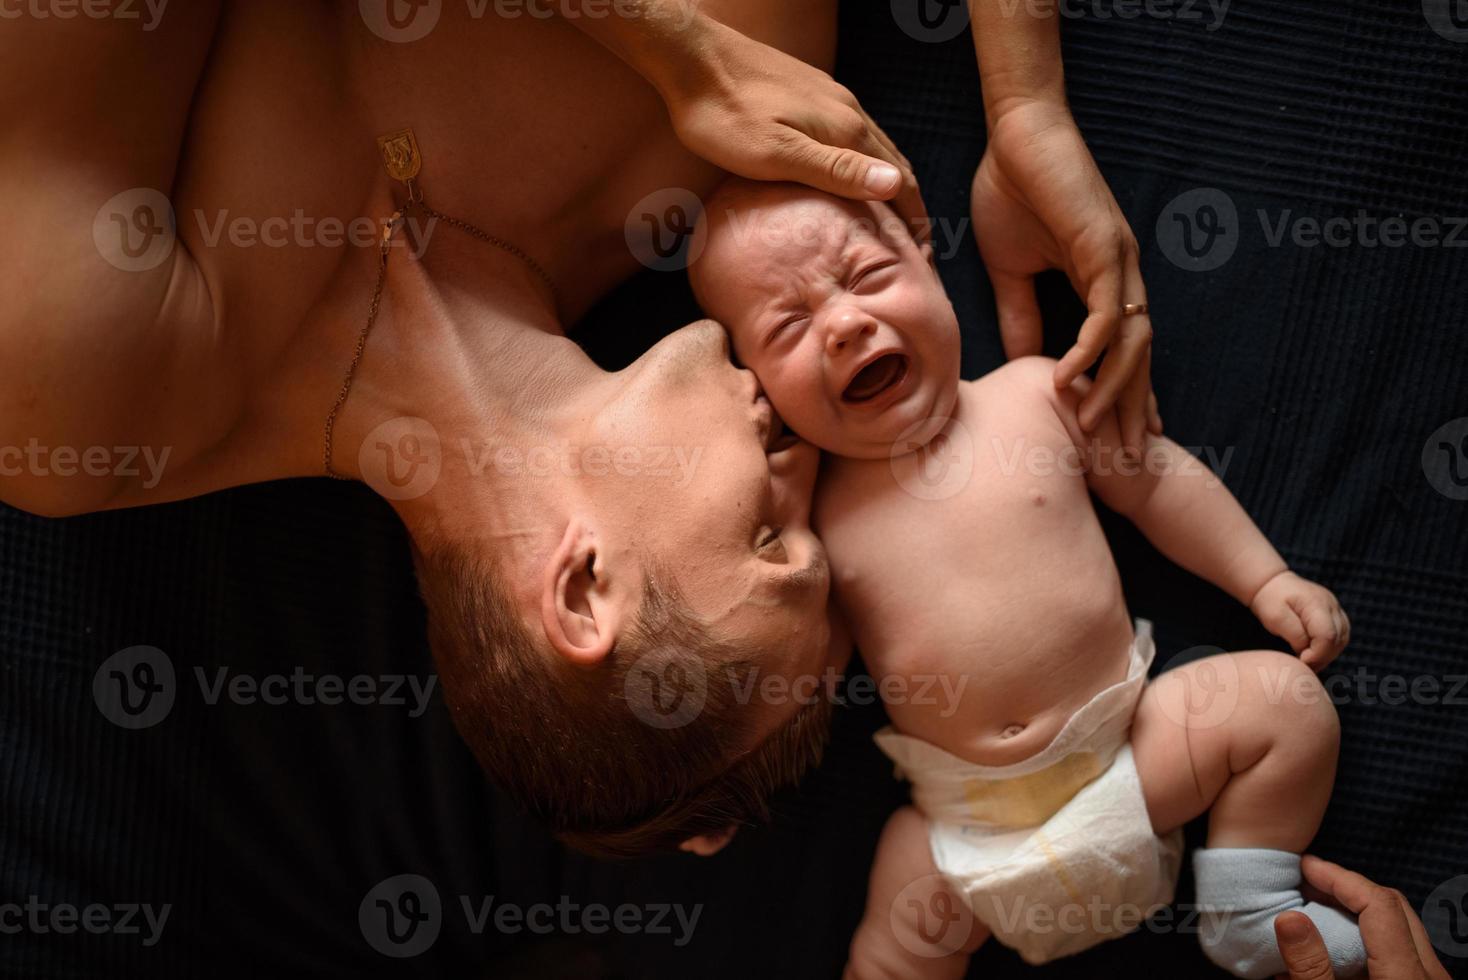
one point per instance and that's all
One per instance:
(1240, 890)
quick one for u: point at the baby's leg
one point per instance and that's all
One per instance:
(915, 926)
(1253, 738)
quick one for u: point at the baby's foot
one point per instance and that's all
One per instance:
(1240, 890)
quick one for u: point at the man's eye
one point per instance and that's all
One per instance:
(772, 545)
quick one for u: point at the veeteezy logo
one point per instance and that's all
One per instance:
(402, 917)
(136, 688)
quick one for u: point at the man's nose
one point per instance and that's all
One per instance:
(846, 324)
(709, 338)
(700, 346)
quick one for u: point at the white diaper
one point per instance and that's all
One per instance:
(1055, 853)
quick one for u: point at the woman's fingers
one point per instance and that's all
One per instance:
(1099, 278)
(1125, 378)
(1020, 326)
(1131, 407)
(1137, 407)
(1101, 324)
(1124, 361)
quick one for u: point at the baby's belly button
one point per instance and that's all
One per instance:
(1010, 741)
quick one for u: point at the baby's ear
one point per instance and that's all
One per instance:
(707, 845)
(929, 256)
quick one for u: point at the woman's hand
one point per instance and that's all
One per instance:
(757, 112)
(1397, 946)
(1039, 202)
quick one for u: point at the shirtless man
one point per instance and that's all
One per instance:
(229, 354)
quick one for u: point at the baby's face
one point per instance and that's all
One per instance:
(836, 309)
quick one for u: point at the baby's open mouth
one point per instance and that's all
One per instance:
(875, 378)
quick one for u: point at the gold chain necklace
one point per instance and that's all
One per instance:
(400, 153)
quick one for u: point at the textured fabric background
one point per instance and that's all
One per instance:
(1323, 372)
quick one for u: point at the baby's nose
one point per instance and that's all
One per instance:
(845, 325)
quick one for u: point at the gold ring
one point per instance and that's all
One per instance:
(1133, 309)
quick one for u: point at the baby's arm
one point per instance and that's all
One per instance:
(915, 927)
(1185, 510)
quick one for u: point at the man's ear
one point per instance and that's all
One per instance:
(707, 845)
(578, 607)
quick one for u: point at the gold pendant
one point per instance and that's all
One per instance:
(400, 153)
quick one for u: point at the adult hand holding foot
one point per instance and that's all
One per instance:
(1397, 945)
(1039, 202)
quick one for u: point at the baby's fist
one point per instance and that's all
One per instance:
(1305, 615)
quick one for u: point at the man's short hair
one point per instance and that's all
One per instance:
(565, 742)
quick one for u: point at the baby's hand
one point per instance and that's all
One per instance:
(1305, 615)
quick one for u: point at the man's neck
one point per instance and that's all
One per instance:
(458, 378)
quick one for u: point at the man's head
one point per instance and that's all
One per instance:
(835, 307)
(661, 541)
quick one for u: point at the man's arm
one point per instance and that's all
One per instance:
(664, 41)
(752, 109)
(93, 331)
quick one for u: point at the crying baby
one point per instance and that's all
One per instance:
(964, 544)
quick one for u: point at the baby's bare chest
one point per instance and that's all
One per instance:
(987, 533)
